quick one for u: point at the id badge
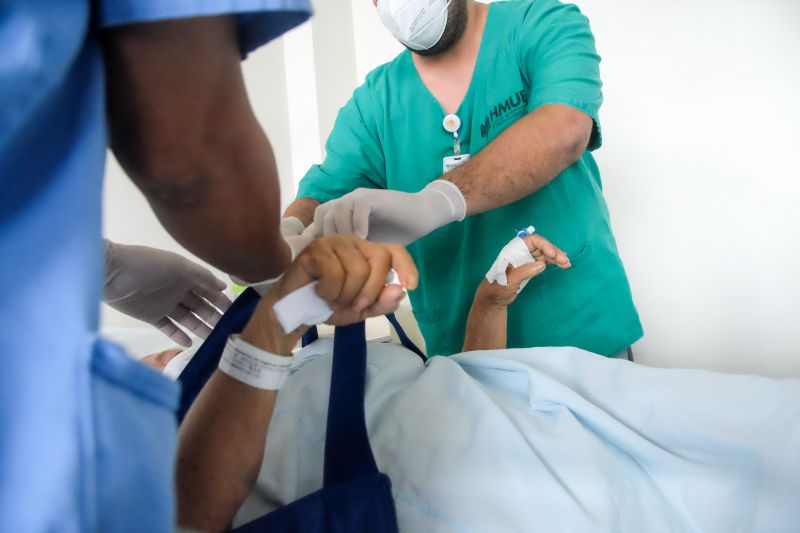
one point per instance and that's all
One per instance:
(454, 161)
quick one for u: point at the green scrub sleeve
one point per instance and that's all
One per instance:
(559, 60)
(354, 158)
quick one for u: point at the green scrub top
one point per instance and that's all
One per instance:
(390, 136)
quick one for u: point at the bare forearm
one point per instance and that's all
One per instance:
(222, 439)
(486, 327)
(220, 452)
(302, 208)
(524, 158)
(182, 128)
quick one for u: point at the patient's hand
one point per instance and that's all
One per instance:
(543, 251)
(496, 296)
(160, 360)
(488, 318)
(351, 275)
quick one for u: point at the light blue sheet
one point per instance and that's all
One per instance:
(553, 439)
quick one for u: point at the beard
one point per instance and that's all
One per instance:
(453, 30)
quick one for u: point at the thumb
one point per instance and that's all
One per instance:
(361, 213)
(291, 226)
(207, 280)
(525, 272)
(299, 243)
(314, 229)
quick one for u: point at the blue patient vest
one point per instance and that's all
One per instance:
(355, 496)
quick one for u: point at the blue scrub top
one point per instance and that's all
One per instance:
(87, 435)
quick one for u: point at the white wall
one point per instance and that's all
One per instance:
(335, 65)
(374, 44)
(701, 126)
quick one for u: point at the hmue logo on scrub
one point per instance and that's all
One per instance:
(505, 111)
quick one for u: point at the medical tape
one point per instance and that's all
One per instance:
(302, 307)
(515, 254)
(305, 307)
(253, 366)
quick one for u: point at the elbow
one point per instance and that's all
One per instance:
(571, 131)
(169, 172)
(577, 142)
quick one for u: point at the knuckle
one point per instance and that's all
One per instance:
(311, 250)
(384, 257)
(360, 269)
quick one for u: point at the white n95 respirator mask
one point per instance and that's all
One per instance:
(418, 24)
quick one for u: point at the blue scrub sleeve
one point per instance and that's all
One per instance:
(259, 21)
(354, 157)
(559, 60)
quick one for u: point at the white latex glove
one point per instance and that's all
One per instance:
(296, 235)
(391, 216)
(292, 227)
(163, 289)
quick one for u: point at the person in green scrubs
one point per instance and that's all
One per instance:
(516, 87)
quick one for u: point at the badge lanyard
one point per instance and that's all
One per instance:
(451, 124)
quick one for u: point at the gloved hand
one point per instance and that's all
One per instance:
(295, 235)
(163, 289)
(391, 216)
(292, 227)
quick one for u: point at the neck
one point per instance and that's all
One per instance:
(466, 47)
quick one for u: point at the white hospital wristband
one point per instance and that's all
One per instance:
(254, 366)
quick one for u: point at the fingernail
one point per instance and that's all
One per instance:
(362, 303)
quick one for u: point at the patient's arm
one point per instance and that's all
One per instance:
(222, 439)
(487, 323)
(488, 317)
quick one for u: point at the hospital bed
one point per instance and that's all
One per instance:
(550, 439)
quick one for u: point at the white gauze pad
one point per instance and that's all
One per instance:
(516, 254)
(304, 307)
